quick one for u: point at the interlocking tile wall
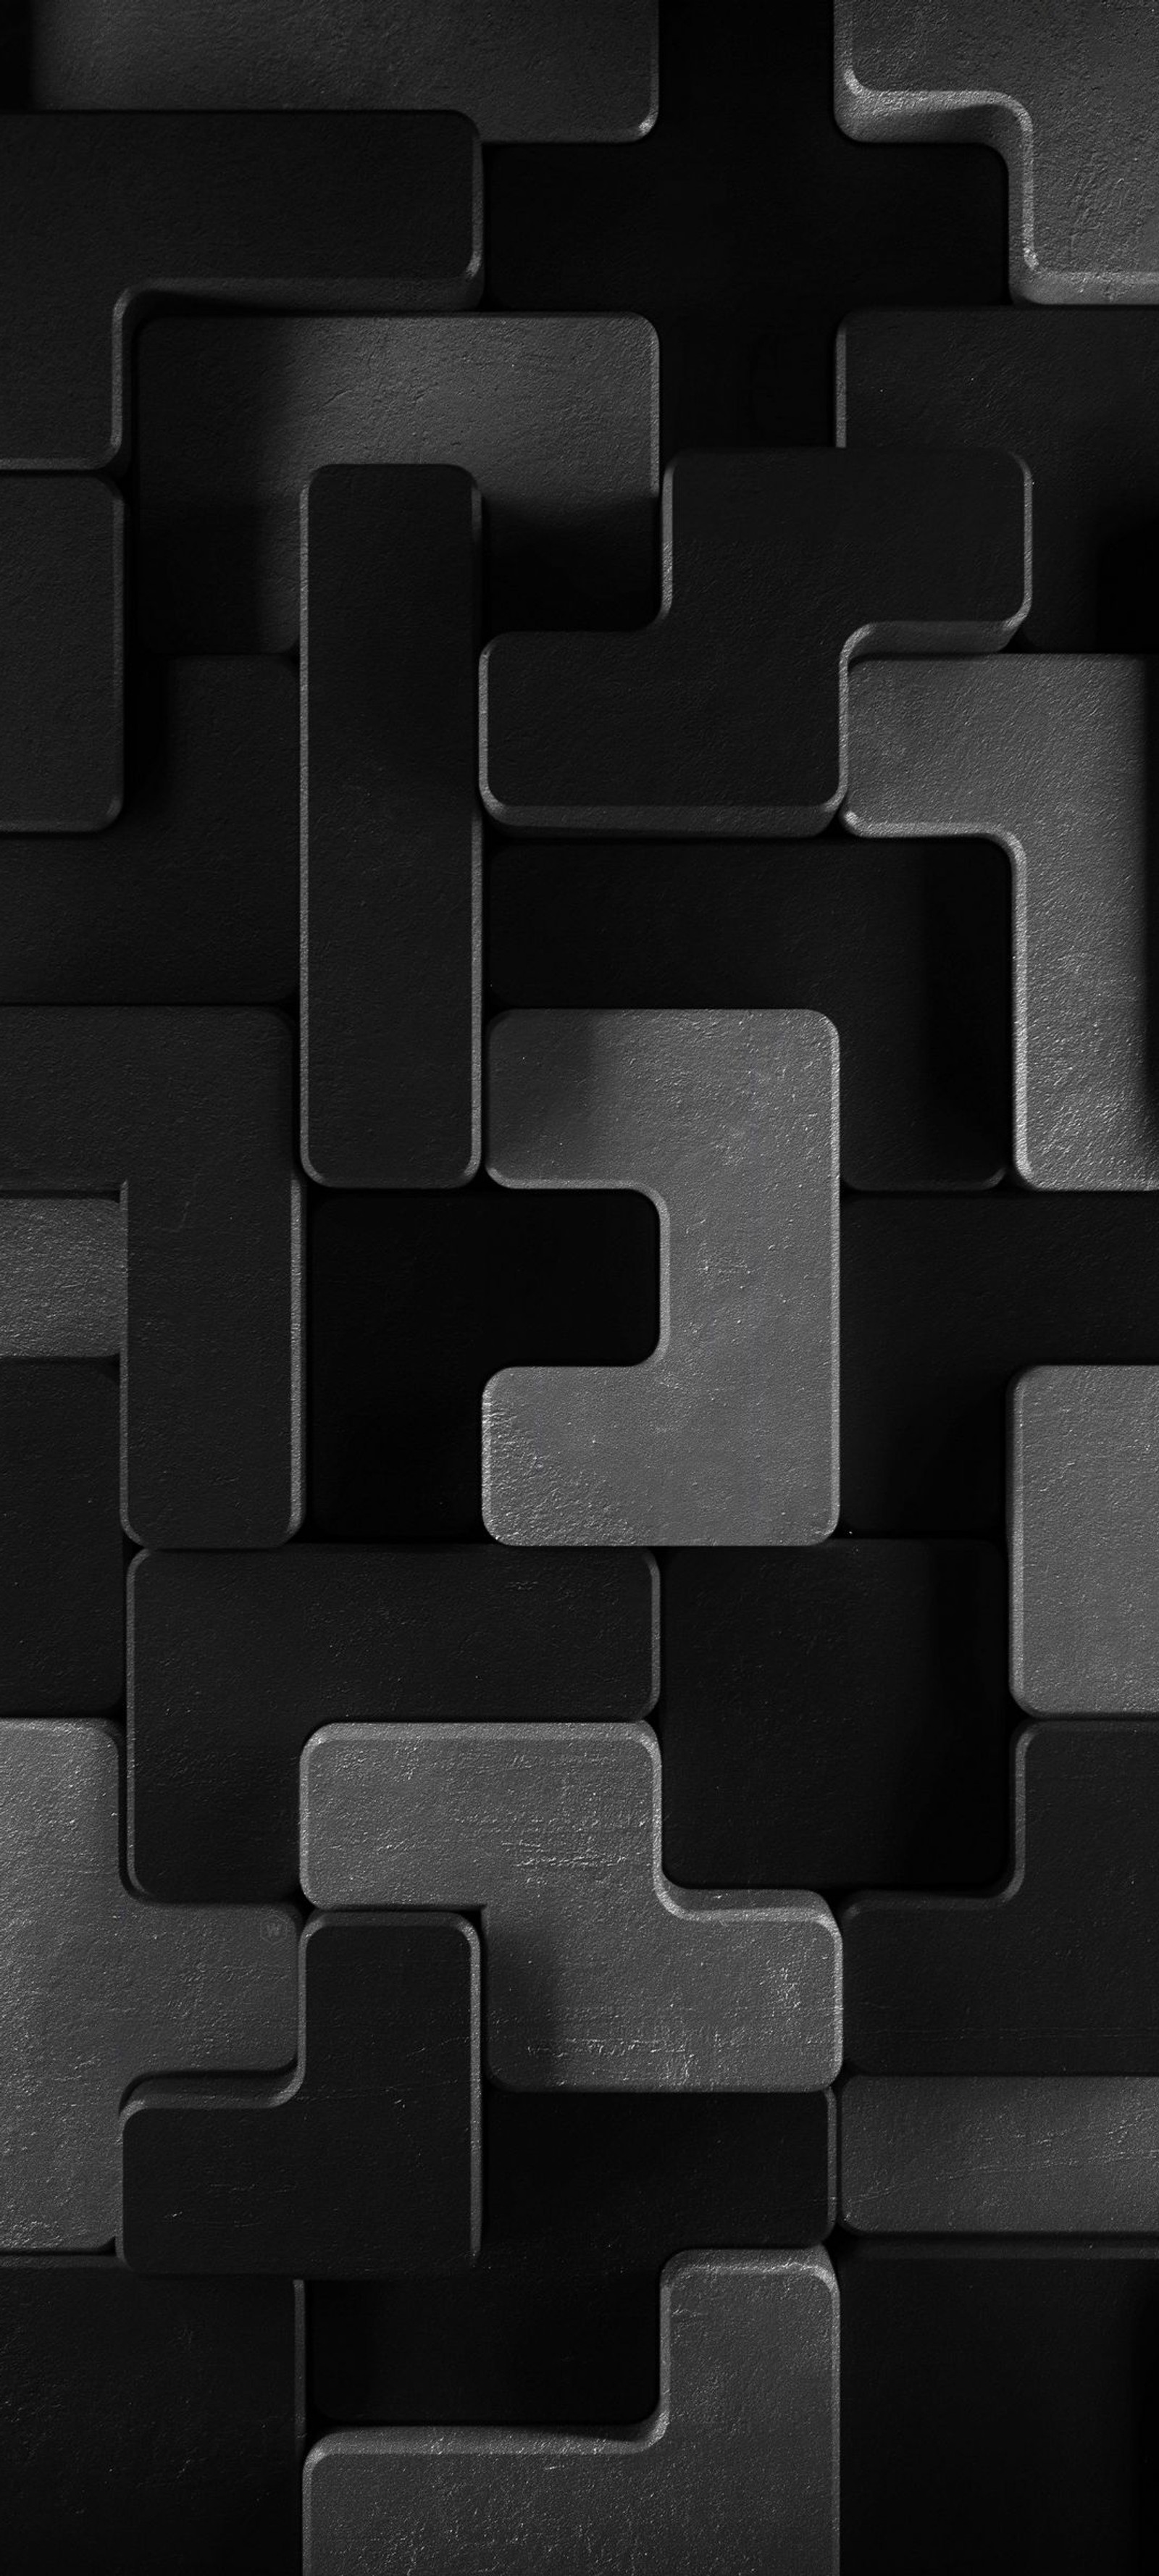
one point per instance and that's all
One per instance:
(579, 1308)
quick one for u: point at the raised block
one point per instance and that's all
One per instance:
(60, 1540)
(1056, 1972)
(1076, 395)
(728, 714)
(392, 861)
(189, 1111)
(737, 2468)
(368, 2161)
(1084, 1541)
(1000, 2155)
(191, 896)
(600, 1973)
(61, 716)
(727, 1436)
(1068, 96)
(526, 71)
(100, 1989)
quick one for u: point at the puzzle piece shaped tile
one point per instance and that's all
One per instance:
(535, 72)
(1000, 2155)
(374, 213)
(737, 2467)
(554, 416)
(191, 896)
(61, 714)
(1057, 1973)
(727, 1436)
(727, 715)
(392, 968)
(236, 1659)
(190, 1111)
(600, 1973)
(367, 2161)
(1084, 1512)
(148, 2423)
(1069, 97)
(1076, 395)
(1048, 755)
(588, 2196)
(99, 1989)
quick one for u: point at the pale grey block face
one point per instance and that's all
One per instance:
(1000, 2155)
(535, 71)
(1084, 1541)
(599, 1973)
(1045, 753)
(727, 1436)
(62, 1278)
(98, 1988)
(735, 2475)
(1069, 96)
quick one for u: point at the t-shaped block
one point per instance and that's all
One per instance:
(728, 714)
(600, 1973)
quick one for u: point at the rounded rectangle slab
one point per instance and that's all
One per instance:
(1000, 2155)
(1084, 1519)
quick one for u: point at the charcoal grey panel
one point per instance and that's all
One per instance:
(1056, 1970)
(599, 1973)
(1046, 753)
(1084, 1541)
(1000, 2155)
(62, 541)
(391, 842)
(727, 716)
(62, 1278)
(1069, 96)
(191, 896)
(727, 1436)
(555, 417)
(188, 1110)
(97, 1988)
(735, 2475)
(530, 71)
(1075, 394)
